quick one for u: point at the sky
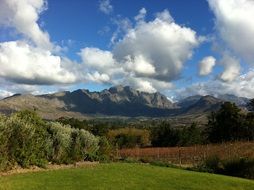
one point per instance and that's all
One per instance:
(179, 48)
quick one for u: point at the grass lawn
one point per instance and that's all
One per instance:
(122, 176)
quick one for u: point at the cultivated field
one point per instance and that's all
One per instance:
(119, 176)
(191, 155)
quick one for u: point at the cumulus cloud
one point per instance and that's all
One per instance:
(149, 56)
(105, 6)
(234, 20)
(165, 16)
(242, 86)
(23, 15)
(163, 45)
(206, 65)
(148, 85)
(96, 58)
(22, 63)
(30, 60)
(97, 77)
(232, 68)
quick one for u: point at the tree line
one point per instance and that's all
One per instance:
(229, 123)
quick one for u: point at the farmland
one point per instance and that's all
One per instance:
(193, 154)
(122, 176)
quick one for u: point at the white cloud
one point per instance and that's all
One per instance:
(241, 86)
(98, 78)
(149, 56)
(25, 64)
(148, 85)
(206, 65)
(140, 65)
(105, 6)
(232, 68)
(123, 25)
(165, 46)
(23, 15)
(234, 22)
(141, 15)
(141, 85)
(96, 58)
(165, 16)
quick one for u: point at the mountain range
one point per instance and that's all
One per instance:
(115, 101)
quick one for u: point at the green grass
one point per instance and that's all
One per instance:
(122, 176)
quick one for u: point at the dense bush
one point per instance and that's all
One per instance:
(129, 137)
(4, 160)
(106, 151)
(164, 135)
(238, 167)
(25, 139)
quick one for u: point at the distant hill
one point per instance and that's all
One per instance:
(115, 101)
(202, 105)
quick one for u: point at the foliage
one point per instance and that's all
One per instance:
(190, 136)
(164, 135)
(106, 151)
(227, 124)
(238, 167)
(129, 137)
(26, 139)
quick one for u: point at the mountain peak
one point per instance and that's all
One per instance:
(116, 89)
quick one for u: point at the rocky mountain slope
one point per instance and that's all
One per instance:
(115, 101)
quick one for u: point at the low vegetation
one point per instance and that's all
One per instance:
(25, 139)
(123, 176)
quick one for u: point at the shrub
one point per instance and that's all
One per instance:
(89, 144)
(106, 151)
(212, 165)
(70, 145)
(4, 160)
(27, 139)
(129, 137)
(61, 139)
(239, 167)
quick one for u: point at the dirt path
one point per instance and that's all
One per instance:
(19, 170)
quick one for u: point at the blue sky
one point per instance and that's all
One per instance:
(177, 47)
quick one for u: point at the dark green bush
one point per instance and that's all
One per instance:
(212, 165)
(239, 167)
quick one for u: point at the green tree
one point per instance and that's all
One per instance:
(190, 135)
(164, 135)
(226, 124)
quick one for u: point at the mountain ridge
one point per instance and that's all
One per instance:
(115, 101)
